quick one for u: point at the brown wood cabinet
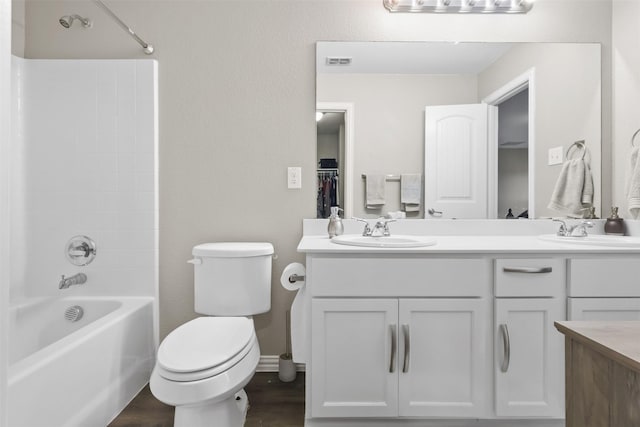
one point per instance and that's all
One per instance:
(602, 373)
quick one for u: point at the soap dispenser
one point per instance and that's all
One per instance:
(335, 227)
(614, 223)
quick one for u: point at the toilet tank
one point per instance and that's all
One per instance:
(232, 278)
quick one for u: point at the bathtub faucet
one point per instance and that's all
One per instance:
(77, 279)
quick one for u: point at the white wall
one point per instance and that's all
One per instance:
(568, 97)
(83, 161)
(5, 230)
(626, 94)
(231, 72)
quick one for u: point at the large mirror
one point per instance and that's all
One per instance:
(457, 130)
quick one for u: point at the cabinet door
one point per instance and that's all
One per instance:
(529, 357)
(354, 358)
(604, 309)
(443, 357)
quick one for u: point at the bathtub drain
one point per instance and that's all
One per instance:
(73, 313)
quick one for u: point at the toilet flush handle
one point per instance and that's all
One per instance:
(195, 261)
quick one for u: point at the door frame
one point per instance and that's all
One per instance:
(349, 146)
(524, 81)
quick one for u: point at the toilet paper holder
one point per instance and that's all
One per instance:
(296, 278)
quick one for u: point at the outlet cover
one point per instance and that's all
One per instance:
(555, 156)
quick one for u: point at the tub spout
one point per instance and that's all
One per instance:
(77, 279)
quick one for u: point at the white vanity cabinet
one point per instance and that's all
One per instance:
(354, 346)
(604, 288)
(459, 334)
(420, 356)
(530, 296)
(398, 357)
(529, 365)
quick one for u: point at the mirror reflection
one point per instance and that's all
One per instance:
(475, 130)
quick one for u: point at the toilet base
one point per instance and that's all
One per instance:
(230, 412)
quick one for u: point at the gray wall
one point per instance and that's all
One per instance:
(568, 107)
(231, 74)
(389, 123)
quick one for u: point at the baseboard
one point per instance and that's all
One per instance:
(269, 363)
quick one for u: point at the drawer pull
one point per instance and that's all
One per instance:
(392, 361)
(527, 270)
(506, 345)
(407, 348)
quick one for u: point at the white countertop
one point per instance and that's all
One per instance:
(450, 244)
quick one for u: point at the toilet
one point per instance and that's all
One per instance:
(203, 365)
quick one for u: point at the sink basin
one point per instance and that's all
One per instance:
(383, 241)
(595, 240)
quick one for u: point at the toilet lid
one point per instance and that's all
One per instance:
(204, 343)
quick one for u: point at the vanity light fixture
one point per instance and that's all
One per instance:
(459, 6)
(319, 115)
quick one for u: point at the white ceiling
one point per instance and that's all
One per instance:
(410, 57)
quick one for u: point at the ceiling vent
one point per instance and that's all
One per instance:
(337, 60)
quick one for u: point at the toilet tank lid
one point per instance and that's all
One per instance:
(233, 249)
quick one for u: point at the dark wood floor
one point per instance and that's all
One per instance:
(273, 404)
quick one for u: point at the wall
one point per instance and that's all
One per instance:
(512, 182)
(626, 94)
(568, 107)
(83, 158)
(389, 123)
(5, 229)
(18, 27)
(231, 73)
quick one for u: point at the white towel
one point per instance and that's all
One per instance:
(411, 191)
(375, 186)
(633, 184)
(573, 192)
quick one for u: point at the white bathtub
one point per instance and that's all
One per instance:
(82, 373)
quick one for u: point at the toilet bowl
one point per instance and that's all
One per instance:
(203, 365)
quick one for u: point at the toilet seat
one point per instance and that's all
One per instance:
(205, 347)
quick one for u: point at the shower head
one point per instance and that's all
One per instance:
(67, 20)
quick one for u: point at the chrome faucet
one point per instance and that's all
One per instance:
(579, 230)
(76, 279)
(367, 228)
(380, 229)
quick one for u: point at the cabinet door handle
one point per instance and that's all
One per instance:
(506, 345)
(392, 361)
(527, 270)
(407, 348)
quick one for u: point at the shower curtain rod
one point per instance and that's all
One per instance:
(148, 49)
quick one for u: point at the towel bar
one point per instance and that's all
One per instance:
(387, 177)
(577, 145)
(634, 137)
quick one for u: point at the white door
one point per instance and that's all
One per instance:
(456, 161)
(354, 364)
(604, 308)
(529, 357)
(443, 355)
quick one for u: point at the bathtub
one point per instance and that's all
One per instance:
(82, 373)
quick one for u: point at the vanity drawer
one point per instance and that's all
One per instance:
(604, 277)
(541, 277)
(399, 277)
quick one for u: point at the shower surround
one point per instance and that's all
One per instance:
(84, 162)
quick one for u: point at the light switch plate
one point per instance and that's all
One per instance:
(555, 156)
(294, 177)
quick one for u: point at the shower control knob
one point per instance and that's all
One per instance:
(80, 250)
